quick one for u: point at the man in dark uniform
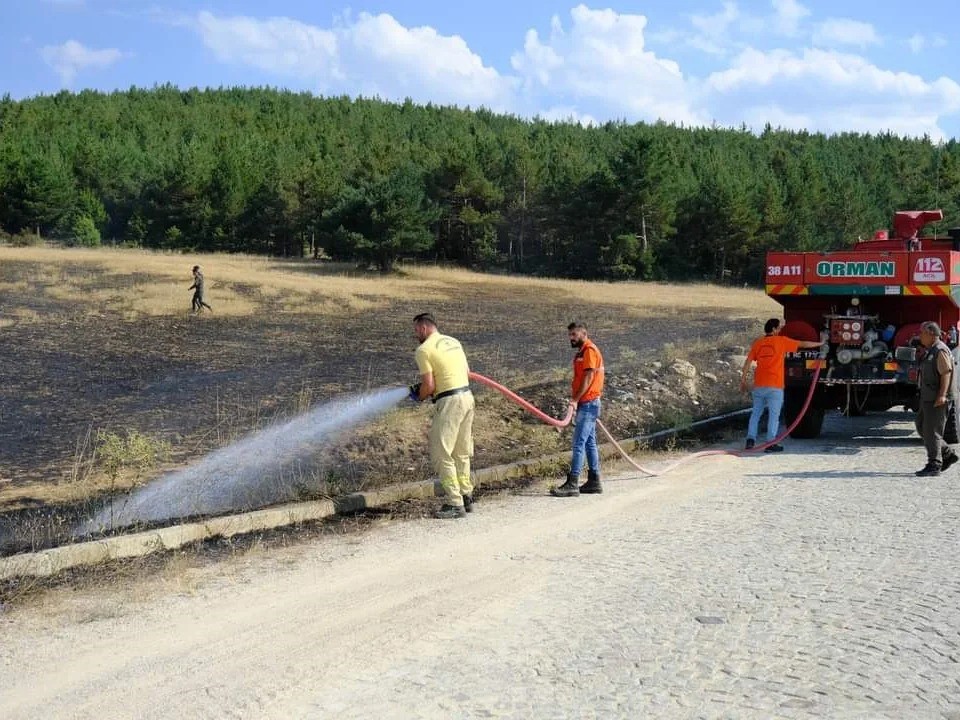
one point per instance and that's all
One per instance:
(198, 291)
(938, 387)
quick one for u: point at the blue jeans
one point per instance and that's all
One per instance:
(771, 399)
(585, 437)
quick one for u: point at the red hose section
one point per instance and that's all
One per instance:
(536, 412)
(532, 409)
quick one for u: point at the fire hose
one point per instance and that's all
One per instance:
(560, 423)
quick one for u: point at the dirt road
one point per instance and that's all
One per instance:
(822, 582)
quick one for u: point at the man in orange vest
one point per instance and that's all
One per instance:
(585, 394)
(769, 353)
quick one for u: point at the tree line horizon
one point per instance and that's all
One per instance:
(275, 172)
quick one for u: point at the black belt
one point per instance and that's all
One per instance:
(448, 393)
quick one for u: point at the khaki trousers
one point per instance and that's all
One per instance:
(451, 445)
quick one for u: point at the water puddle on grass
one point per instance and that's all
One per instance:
(238, 477)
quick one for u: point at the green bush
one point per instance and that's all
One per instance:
(25, 238)
(134, 453)
(84, 232)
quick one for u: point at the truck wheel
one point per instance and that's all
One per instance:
(809, 427)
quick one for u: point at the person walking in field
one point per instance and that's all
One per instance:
(586, 389)
(443, 369)
(199, 291)
(938, 395)
(769, 353)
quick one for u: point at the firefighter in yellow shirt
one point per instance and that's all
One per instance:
(443, 379)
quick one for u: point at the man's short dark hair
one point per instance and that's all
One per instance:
(425, 319)
(770, 325)
(576, 326)
(196, 267)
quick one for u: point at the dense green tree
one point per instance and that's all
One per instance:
(268, 171)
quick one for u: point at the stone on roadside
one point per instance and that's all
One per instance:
(687, 373)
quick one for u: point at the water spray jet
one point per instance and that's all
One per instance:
(233, 477)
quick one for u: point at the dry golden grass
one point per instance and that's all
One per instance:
(155, 283)
(638, 298)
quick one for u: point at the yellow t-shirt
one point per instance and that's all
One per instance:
(443, 356)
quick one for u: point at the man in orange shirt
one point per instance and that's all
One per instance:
(585, 394)
(768, 353)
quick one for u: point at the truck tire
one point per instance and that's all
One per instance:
(809, 427)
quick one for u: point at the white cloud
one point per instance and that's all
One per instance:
(372, 55)
(71, 58)
(788, 15)
(594, 66)
(918, 43)
(278, 45)
(601, 61)
(721, 32)
(713, 31)
(832, 91)
(841, 31)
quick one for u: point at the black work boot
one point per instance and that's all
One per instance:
(949, 458)
(468, 503)
(569, 489)
(450, 512)
(592, 486)
(929, 470)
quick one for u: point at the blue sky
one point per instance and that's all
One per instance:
(823, 66)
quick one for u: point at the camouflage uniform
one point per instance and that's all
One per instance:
(199, 292)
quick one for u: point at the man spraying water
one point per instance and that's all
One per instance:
(443, 379)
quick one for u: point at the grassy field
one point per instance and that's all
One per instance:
(108, 381)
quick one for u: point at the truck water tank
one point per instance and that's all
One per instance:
(905, 334)
(800, 330)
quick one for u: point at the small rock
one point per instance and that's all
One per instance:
(709, 376)
(709, 620)
(656, 365)
(688, 374)
(683, 368)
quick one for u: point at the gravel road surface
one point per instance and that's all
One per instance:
(823, 582)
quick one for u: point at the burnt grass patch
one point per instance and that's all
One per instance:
(200, 382)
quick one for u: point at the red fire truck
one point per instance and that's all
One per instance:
(866, 304)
